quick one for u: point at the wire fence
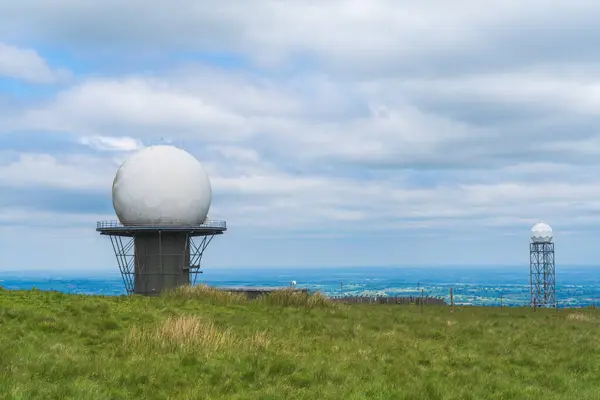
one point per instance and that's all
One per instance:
(410, 300)
(461, 296)
(440, 301)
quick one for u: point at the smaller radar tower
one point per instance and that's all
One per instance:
(541, 266)
(161, 195)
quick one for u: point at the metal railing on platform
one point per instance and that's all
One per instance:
(214, 224)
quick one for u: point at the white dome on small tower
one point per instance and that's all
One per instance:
(541, 233)
(161, 185)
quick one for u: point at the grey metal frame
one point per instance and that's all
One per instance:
(542, 274)
(123, 240)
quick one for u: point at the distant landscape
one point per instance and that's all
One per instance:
(576, 286)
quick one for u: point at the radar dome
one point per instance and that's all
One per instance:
(541, 233)
(161, 185)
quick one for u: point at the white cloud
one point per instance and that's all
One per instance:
(409, 139)
(349, 35)
(273, 199)
(66, 172)
(552, 91)
(288, 168)
(36, 218)
(360, 128)
(587, 146)
(112, 143)
(140, 107)
(380, 122)
(27, 65)
(237, 154)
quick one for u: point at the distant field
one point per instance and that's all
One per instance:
(202, 344)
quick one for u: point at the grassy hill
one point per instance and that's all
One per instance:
(203, 344)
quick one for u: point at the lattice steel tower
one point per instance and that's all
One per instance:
(162, 196)
(542, 267)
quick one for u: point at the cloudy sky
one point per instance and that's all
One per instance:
(338, 132)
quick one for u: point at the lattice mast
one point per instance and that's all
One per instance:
(542, 271)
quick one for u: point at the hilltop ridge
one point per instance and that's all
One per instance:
(202, 343)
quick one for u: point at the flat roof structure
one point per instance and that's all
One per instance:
(116, 228)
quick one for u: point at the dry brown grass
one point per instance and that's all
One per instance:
(294, 298)
(284, 297)
(190, 331)
(207, 293)
(577, 316)
(182, 331)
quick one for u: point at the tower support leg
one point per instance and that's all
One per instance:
(197, 247)
(151, 262)
(123, 248)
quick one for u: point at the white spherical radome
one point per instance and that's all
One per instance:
(161, 185)
(541, 233)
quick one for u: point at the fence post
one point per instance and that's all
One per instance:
(500, 303)
(534, 304)
(451, 300)
(422, 294)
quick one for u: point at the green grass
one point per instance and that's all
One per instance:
(204, 344)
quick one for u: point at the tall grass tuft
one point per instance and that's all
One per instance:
(190, 332)
(206, 293)
(181, 331)
(283, 298)
(577, 316)
(293, 298)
